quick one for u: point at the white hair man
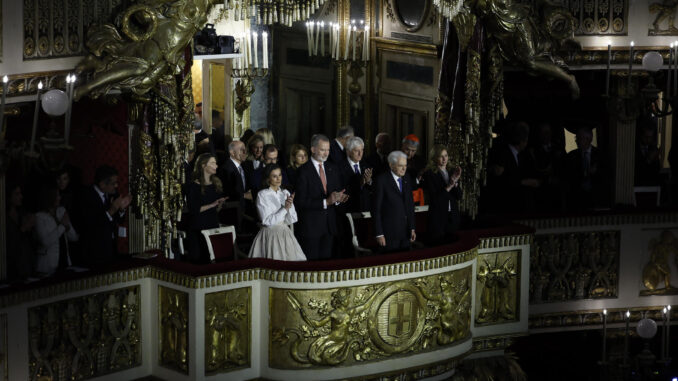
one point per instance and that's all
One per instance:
(318, 192)
(393, 206)
(338, 145)
(356, 176)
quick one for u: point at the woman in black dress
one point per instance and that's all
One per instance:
(441, 183)
(204, 200)
(298, 157)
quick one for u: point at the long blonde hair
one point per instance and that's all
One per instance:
(433, 156)
(293, 153)
(198, 171)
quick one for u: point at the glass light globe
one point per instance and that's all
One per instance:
(54, 102)
(646, 328)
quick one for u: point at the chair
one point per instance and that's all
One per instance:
(221, 243)
(647, 196)
(181, 236)
(362, 233)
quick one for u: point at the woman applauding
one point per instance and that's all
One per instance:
(276, 210)
(441, 183)
(204, 201)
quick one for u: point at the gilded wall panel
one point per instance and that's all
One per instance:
(662, 254)
(350, 325)
(498, 287)
(173, 309)
(573, 266)
(56, 28)
(228, 321)
(85, 337)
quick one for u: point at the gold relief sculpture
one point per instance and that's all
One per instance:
(498, 287)
(149, 44)
(85, 337)
(227, 330)
(344, 326)
(173, 328)
(574, 266)
(658, 270)
(666, 11)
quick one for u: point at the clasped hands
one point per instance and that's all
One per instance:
(120, 203)
(337, 197)
(367, 177)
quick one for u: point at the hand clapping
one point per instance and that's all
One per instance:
(336, 197)
(289, 201)
(367, 176)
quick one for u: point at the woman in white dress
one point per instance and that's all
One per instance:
(53, 230)
(275, 240)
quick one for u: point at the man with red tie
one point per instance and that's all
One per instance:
(318, 193)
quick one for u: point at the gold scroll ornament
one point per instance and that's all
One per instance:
(349, 325)
(227, 330)
(173, 307)
(498, 287)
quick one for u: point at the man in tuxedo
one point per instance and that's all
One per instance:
(393, 206)
(318, 193)
(270, 156)
(234, 180)
(102, 210)
(337, 147)
(378, 159)
(585, 173)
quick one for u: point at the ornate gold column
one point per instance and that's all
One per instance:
(343, 105)
(624, 111)
(369, 135)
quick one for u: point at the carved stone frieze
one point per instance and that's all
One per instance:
(349, 325)
(85, 337)
(228, 321)
(595, 317)
(497, 287)
(173, 308)
(595, 17)
(573, 266)
(664, 13)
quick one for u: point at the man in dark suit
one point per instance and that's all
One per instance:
(415, 163)
(648, 162)
(585, 173)
(393, 206)
(102, 211)
(337, 147)
(378, 159)
(509, 179)
(236, 186)
(356, 177)
(318, 193)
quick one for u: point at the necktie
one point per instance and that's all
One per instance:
(242, 177)
(400, 184)
(323, 179)
(356, 169)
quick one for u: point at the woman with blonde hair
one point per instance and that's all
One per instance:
(298, 157)
(204, 199)
(267, 135)
(255, 152)
(441, 184)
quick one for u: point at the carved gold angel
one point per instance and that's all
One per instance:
(334, 347)
(149, 43)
